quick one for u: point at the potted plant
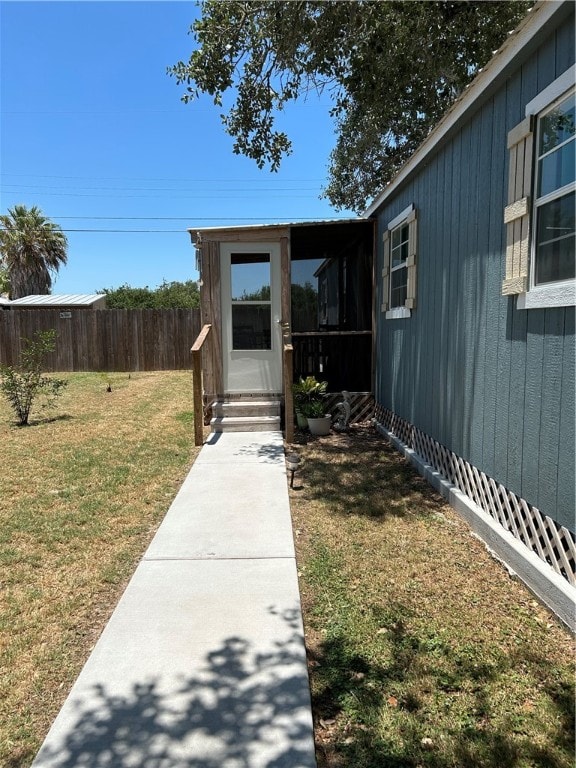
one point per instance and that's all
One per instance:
(306, 391)
(319, 422)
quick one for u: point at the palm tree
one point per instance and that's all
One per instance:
(32, 248)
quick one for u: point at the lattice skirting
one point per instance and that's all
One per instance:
(361, 405)
(552, 542)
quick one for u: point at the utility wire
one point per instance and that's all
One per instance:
(146, 178)
(170, 231)
(198, 218)
(163, 189)
(211, 195)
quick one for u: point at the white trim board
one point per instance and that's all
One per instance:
(549, 295)
(552, 92)
(400, 218)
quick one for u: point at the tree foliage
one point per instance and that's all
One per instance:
(22, 384)
(32, 249)
(391, 69)
(304, 300)
(4, 280)
(260, 294)
(173, 295)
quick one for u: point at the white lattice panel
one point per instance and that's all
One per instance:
(552, 543)
(361, 405)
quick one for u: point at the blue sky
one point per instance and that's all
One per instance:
(93, 131)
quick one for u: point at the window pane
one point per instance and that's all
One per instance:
(555, 241)
(250, 276)
(399, 235)
(304, 294)
(398, 291)
(400, 254)
(556, 170)
(399, 249)
(251, 326)
(557, 126)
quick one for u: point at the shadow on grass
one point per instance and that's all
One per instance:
(366, 477)
(40, 422)
(384, 714)
(243, 707)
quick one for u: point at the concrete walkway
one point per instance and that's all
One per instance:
(202, 664)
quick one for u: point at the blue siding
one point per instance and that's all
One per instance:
(492, 383)
(566, 490)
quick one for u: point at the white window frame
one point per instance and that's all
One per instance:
(561, 293)
(397, 313)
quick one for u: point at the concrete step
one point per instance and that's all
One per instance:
(235, 408)
(246, 414)
(245, 424)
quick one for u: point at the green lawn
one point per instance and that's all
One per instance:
(423, 652)
(82, 490)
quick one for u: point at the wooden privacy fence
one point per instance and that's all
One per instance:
(105, 340)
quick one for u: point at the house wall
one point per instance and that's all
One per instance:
(492, 383)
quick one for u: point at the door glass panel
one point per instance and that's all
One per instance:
(250, 276)
(251, 326)
(251, 305)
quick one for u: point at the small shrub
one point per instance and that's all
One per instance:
(22, 384)
(315, 409)
(308, 389)
(310, 397)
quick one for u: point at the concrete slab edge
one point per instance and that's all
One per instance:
(548, 586)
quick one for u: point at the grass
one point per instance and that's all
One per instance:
(423, 651)
(82, 491)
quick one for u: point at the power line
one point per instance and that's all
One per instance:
(126, 218)
(163, 189)
(189, 218)
(130, 231)
(148, 178)
(169, 231)
(196, 107)
(201, 195)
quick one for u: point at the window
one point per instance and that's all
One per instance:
(553, 254)
(540, 261)
(399, 270)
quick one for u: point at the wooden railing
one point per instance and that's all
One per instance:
(288, 351)
(197, 384)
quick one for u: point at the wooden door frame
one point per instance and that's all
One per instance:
(207, 243)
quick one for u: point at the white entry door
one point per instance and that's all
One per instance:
(251, 332)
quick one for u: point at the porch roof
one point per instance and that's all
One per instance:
(196, 233)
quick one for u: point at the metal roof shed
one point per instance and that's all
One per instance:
(61, 300)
